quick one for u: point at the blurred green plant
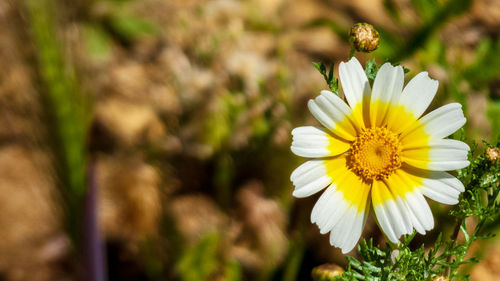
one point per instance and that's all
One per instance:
(114, 22)
(205, 260)
(486, 65)
(433, 15)
(493, 114)
(67, 110)
(198, 262)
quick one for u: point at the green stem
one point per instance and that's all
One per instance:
(453, 238)
(294, 260)
(352, 52)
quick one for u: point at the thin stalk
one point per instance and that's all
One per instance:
(352, 52)
(453, 237)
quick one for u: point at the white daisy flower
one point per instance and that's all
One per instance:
(377, 152)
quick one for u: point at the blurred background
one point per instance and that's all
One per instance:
(158, 131)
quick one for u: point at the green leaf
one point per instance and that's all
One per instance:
(331, 81)
(200, 261)
(371, 70)
(318, 65)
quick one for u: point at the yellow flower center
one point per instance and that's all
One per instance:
(375, 154)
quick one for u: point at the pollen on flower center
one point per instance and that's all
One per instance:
(375, 153)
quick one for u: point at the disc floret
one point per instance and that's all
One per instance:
(375, 153)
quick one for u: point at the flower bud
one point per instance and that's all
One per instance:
(326, 272)
(493, 154)
(364, 37)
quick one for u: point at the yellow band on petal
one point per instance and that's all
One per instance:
(399, 184)
(354, 190)
(337, 146)
(417, 148)
(394, 117)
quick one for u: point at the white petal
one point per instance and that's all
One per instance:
(309, 178)
(311, 141)
(337, 102)
(341, 213)
(347, 231)
(386, 92)
(304, 168)
(438, 155)
(336, 210)
(418, 93)
(442, 187)
(395, 218)
(438, 144)
(386, 221)
(331, 207)
(354, 82)
(356, 230)
(332, 113)
(405, 184)
(405, 216)
(443, 121)
(448, 148)
(388, 83)
(345, 234)
(322, 204)
(414, 221)
(391, 213)
(447, 165)
(383, 211)
(421, 214)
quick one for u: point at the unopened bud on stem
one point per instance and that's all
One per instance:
(364, 37)
(326, 272)
(493, 154)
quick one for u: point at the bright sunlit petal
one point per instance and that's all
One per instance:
(310, 178)
(334, 114)
(354, 82)
(311, 141)
(386, 92)
(437, 155)
(418, 94)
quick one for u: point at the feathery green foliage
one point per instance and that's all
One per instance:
(333, 83)
(371, 70)
(204, 260)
